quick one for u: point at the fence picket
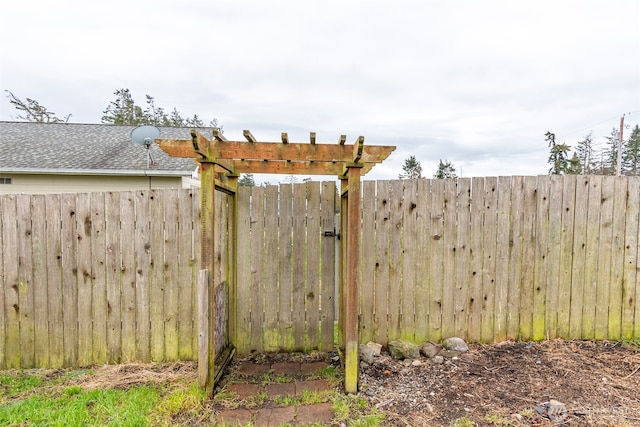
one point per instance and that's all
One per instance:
(381, 286)
(516, 218)
(489, 248)
(630, 304)
(502, 259)
(409, 260)
(528, 254)
(171, 268)
(421, 286)
(113, 278)
(566, 244)
(11, 282)
(579, 258)
(461, 295)
(328, 269)
(617, 259)
(367, 262)
(450, 254)
(99, 288)
(475, 259)
(39, 279)
(271, 332)
(605, 246)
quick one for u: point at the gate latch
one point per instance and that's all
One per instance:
(332, 234)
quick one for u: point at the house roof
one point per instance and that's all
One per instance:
(29, 147)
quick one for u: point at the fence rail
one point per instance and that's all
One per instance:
(111, 277)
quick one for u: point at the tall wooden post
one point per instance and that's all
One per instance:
(207, 212)
(351, 321)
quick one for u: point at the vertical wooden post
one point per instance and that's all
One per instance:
(207, 211)
(352, 276)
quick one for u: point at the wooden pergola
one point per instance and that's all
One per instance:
(221, 162)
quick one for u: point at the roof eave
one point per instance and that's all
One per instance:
(100, 172)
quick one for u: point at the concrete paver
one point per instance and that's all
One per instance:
(280, 389)
(244, 390)
(286, 368)
(318, 413)
(311, 386)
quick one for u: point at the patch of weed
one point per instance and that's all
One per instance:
(462, 422)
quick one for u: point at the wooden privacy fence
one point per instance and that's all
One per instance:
(490, 259)
(98, 278)
(111, 277)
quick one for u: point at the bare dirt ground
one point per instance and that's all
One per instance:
(508, 383)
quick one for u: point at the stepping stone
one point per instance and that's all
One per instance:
(286, 368)
(253, 369)
(312, 368)
(275, 416)
(311, 414)
(244, 390)
(235, 417)
(280, 389)
(312, 385)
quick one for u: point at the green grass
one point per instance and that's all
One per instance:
(75, 407)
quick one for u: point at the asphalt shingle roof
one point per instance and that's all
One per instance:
(85, 147)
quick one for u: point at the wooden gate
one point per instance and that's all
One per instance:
(285, 295)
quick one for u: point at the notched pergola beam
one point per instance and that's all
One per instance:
(235, 151)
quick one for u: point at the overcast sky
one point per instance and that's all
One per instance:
(475, 82)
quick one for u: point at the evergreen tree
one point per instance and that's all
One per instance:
(124, 111)
(412, 169)
(246, 180)
(557, 156)
(445, 170)
(574, 167)
(610, 154)
(585, 154)
(32, 111)
(631, 153)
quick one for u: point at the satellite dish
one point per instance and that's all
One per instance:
(144, 135)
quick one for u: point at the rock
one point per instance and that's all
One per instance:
(430, 349)
(366, 353)
(377, 348)
(438, 360)
(455, 344)
(416, 363)
(401, 349)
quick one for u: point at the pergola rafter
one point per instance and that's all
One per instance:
(219, 157)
